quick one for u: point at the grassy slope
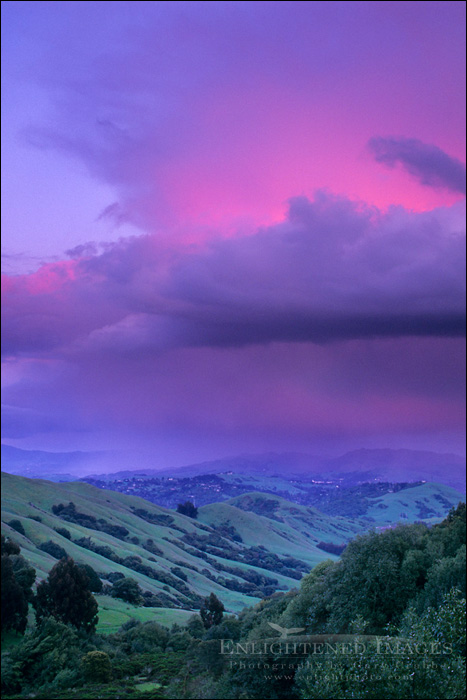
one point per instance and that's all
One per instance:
(22, 498)
(405, 505)
(295, 531)
(113, 613)
(301, 529)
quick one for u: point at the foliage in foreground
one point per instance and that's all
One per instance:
(398, 599)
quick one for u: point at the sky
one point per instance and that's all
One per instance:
(233, 227)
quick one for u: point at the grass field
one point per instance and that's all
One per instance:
(113, 613)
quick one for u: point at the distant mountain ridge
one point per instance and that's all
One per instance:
(40, 464)
(380, 464)
(370, 464)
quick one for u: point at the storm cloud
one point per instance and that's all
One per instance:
(332, 270)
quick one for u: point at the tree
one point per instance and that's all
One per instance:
(9, 547)
(63, 532)
(94, 582)
(24, 574)
(127, 589)
(49, 654)
(17, 580)
(195, 627)
(65, 595)
(14, 603)
(212, 611)
(188, 508)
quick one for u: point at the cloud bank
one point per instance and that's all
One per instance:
(332, 270)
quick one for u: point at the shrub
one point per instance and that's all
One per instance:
(127, 589)
(18, 526)
(63, 532)
(53, 549)
(97, 668)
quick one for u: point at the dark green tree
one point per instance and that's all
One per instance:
(53, 549)
(127, 589)
(63, 532)
(9, 547)
(188, 508)
(95, 584)
(195, 627)
(14, 603)
(65, 595)
(18, 526)
(49, 654)
(212, 611)
(17, 580)
(24, 574)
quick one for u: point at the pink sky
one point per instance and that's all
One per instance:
(233, 226)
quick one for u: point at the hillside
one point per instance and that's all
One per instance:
(299, 530)
(242, 549)
(147, 542)
(286, 528)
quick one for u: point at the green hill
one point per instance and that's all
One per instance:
(242, 549)
(279, 525)
(114, 532)
(297, 530)
(429, 502)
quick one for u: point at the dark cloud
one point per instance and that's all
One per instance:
(332, 270)
(432, 166)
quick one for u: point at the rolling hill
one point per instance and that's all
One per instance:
(297, 529)
(173, 557)
(242, 549)
(286, 528)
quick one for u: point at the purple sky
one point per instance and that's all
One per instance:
(233, 226)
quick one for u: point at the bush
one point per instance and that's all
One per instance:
(63, 532)
(128, 590)
(46, 656)
(18, 526)
(188, 508)
(113, 576)
(53, 549)
(179, 573)
(97, 668)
